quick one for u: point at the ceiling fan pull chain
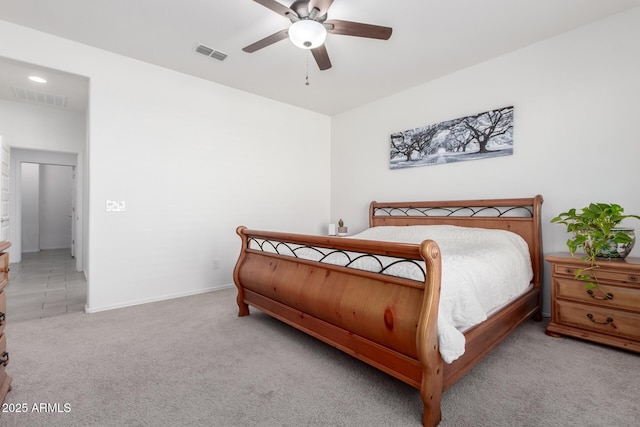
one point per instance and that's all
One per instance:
(307, 79)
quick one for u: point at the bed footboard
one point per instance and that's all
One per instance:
(385, 321)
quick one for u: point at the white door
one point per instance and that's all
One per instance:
(4, 190)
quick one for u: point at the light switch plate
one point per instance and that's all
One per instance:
(115, 206)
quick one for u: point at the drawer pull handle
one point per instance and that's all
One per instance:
(4, 360)
(607, 296)
(569, 270)
(609, 321)
(634, 277)
(2, 318)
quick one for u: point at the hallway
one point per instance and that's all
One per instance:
(45, 284)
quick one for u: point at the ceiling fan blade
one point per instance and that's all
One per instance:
(278, 8)
(267, 41)
(322, 57)
(321, 5)
(348, 28)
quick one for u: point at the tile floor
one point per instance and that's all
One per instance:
(45, 284)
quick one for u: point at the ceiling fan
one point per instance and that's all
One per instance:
(309, 28)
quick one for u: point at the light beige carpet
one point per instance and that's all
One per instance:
(192, 362)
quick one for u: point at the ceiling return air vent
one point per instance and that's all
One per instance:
(212, 53)
(35, 97)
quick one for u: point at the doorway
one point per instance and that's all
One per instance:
(47, 188)
(47, 207)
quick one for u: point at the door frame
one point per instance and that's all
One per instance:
(5, 167)
(19, 156)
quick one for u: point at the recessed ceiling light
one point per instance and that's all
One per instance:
(37, 79)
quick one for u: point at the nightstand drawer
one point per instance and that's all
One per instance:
(599, 319)
(602, 273)
(604, 295)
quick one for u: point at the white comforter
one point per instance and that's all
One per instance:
(481, 270)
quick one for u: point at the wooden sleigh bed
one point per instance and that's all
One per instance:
(386, 321)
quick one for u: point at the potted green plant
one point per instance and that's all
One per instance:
(595, 230)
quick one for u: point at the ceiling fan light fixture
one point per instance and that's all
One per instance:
(37, 79)
(307, 34)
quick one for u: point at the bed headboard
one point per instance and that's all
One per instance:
(521, 216)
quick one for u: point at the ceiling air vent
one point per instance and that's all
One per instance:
(29, 95)
(212, 53)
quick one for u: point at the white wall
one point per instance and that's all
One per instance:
(192, 160)
(38, 127)
(575, 131)
(56, 191)
(30, 178)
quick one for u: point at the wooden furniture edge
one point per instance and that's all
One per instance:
(427, 337)
(5, 387)
(557, 330)
(567, 257)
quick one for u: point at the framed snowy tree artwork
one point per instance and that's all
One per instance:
(488, 134)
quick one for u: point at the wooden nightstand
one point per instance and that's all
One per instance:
(609, 314)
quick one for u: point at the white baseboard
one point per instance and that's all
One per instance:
(88, 309)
